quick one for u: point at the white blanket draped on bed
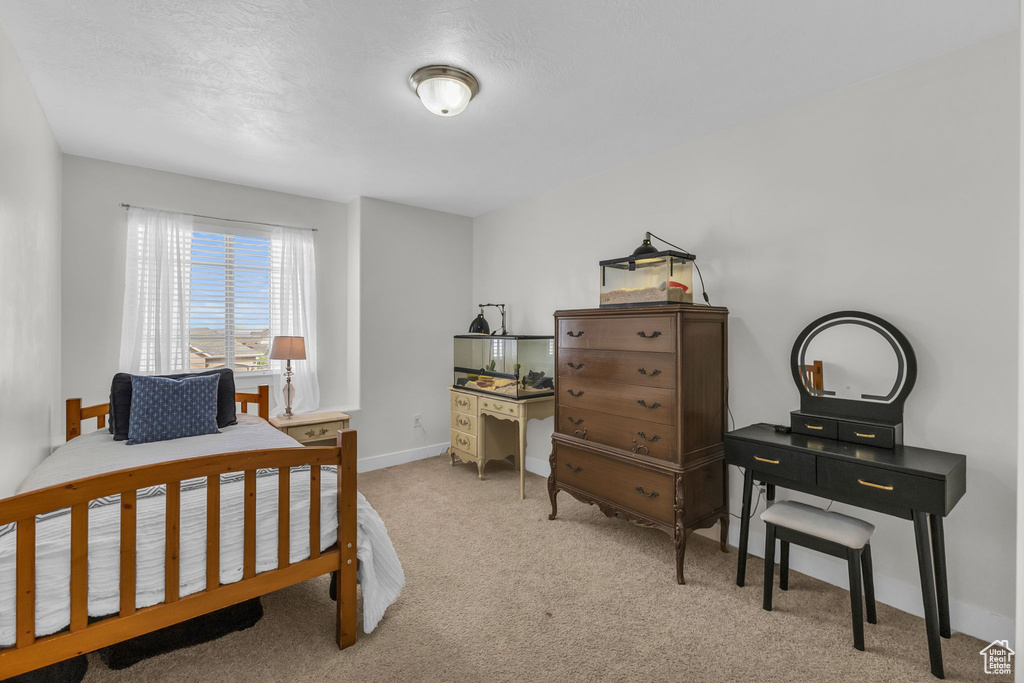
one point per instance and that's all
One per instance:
(380, 572)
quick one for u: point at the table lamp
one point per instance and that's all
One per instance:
(288, 349)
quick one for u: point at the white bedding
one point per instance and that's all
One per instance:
(380, 572)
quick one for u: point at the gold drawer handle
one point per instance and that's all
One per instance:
(874, 486)
(582, 433)
(460, 402)
(653, 437)
(652, 494)
(310, 433)
(323, 430)
(818, 427)
(462, 442)
(461, 422)
(770, 462)
(640, 448)
(864, 436)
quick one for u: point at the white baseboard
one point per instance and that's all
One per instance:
(379, 462)
(903, 596)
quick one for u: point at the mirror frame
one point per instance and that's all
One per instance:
(872, 411)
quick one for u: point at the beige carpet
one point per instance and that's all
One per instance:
(496, 592)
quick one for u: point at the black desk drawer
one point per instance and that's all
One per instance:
(786, 464)
(882, 489)
(813, 426)
(871, 435)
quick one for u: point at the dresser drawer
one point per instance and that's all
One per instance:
(510, 408)
(882, 436)
(463, 442)
(648, 492)
(887, 490)
(619, 333)
(813, 426)
(649, 404)
(464, 403)
(626, 367)
(790, 465)
(464, 422)
(316, 432)
(638, 436)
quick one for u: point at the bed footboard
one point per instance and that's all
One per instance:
(30, 652)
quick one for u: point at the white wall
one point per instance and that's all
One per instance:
(31, 411)
(94, 251)
(415, 288)
(897, 196)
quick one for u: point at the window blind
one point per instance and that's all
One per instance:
(229, 301)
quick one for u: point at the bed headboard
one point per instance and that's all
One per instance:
(75, 413)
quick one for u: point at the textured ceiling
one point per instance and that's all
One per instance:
(311, 96)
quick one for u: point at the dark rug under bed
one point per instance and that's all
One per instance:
(122, 655)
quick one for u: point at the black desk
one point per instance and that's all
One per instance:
(914, 483)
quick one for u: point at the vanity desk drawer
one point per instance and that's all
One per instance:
(813, 425)
(883, 436)
(791, 465)
(885, 488)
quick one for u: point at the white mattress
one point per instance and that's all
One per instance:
(380, 572)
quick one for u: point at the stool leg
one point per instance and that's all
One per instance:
(769, 565)
(784, 566)
(869, 583)
(853, 560)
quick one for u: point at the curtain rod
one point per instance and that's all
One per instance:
(229, 220)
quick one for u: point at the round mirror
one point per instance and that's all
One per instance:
(845, 360)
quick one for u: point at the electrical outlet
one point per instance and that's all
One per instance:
(416, 421)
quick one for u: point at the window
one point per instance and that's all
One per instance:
(229, 301)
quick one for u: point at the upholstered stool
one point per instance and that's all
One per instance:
(827, 532)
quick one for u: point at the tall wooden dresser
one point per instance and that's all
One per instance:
(640, 416)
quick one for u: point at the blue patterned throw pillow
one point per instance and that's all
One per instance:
(165, 408)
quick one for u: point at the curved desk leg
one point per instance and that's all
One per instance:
(522, 457)
(931, 610)
(741, 562)
(941, 588)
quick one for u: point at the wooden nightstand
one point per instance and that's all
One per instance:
(313, 429)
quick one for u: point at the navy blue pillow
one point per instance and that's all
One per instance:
(165, 408)
(121, 399)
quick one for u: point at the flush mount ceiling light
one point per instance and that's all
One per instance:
(444, 90)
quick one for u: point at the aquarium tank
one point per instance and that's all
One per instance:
(656, 277)
(517, 366)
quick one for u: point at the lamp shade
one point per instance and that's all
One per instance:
(288, 348)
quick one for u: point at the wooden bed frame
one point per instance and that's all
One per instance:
(31, 653)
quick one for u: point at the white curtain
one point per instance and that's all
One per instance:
(154, 329)
(293, 313)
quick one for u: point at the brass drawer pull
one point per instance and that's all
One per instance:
(652, 437)
(575, 422)
(462, 442)
(461, 402)
(652, 335)
(311, 433)
(652, 494)
(575, 366)
(649, 407)
(770, 462)
(640, 448)
(575, 393)
(653, 373)
(582, 433)
(573, 469)
(577, 334)
(864, 436)
(874, 486)
(817, 427)
(462, 422)
(323, 431)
